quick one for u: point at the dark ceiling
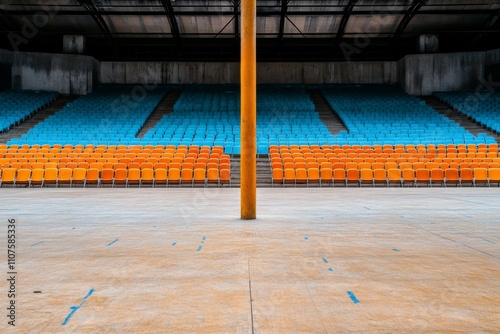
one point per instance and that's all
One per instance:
(287, 30)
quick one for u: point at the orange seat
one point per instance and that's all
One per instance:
(91, 177)
(147, 176)
(9, 176)
(36, 177)
(480, 176)
(379, 176)
(352, 177)
(422, 175)
(408, 176)
(64, 176)
(326, 175)
(187, 175)
(107, 176)
(313, 175)
(213, 175)
(300, 175)
(160, 176)
(23, 177)
(451, 176)
(133, 177)
(79, 176)
(174, 175)
(225, 176)
(339, 176)
(50, 176)
(366, 176)
(437, 176)
(494, 176)
(289, 175)
(466, 176)
(199, 175)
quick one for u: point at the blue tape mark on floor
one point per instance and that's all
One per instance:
(203, 238)
(199, 248)
(74, 228)
(112, 242)
(175, 243)
(325, 260)
(306, 238)
(353, 297)
(367, 208)
(395, 249)
(76, 308)
(38, 243)
(330, 269)
(491, 242)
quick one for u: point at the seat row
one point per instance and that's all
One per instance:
(114, 177)
(399, 177)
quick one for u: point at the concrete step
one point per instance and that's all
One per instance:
(166, 106)
(457, 116)
(23, 127)
(326, 114)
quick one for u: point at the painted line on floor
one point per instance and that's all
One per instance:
(353, 297)
(199, 248)
(395, 249)
(112, 242)
(76, 308)
(325, 260)
(175, 243)
(330, 269)
(38, 243)
(491, 242)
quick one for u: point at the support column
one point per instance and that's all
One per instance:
(248, 83)
(74, 44)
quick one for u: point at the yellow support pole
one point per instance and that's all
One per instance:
(248, 80)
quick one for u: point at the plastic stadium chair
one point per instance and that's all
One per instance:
(225, 176)
(107, 176)
(36, 177)
(437, 176)
(133, 176)
(148, 176)
(408, 177)
(422, 176)
(480, 176)
(120, 178)
(466, 176)
(451, 176)
(92, 176)
(494, 176)
(160, 176)
(326, 176)
(23, 177)
(174, 176)
(64, 176)
(50, 176)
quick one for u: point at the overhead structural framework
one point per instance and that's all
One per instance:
(284, 9)
(414, 8)
(248, 78)
(169, 10)
(94, 12)
(345, 19)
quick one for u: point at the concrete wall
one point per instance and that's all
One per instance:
(492, 57)
(173, 72)
(211, 73)
(427, 73)
(66, 74)
(416, 74)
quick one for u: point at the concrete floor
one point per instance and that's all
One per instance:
(370, 260)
